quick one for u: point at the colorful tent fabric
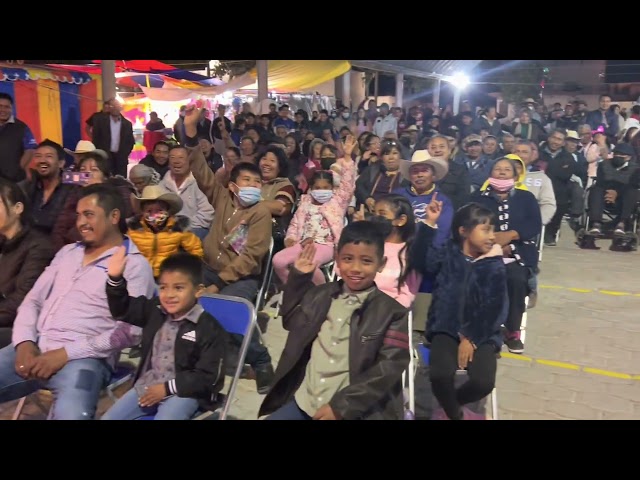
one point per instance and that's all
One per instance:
(54, 103)
(284, 76)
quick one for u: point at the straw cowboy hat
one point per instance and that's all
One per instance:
(422, 157)
(158, 193)
(84, 146)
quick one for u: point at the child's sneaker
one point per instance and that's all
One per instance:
(513, 342)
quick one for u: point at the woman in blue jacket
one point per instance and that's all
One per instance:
(519, 223)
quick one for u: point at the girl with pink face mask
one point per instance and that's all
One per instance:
(518, 225)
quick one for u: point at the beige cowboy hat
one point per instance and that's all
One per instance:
(85, 146)
(572, 135)
(529, 100)
(158, 193)
(440, 166)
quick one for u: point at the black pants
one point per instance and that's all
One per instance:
(577, 200)
(518, 289)
(247, 288)
(556, 221)
(626, 202)
(443, 360)
(5, 336)
(118, 163)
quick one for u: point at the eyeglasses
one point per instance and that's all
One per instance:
(391, 143)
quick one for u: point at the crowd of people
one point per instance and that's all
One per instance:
(417, 211)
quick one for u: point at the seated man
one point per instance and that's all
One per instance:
(616, 185)
(64, 337)
(238, 240)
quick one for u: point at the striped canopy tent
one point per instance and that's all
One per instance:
(53, 103)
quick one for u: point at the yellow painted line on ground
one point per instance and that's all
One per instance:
(570, 366)
(607, 373)
(614, 293)
(553, 363)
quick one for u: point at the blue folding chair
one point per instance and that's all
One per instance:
(237, 316)
(425, 353)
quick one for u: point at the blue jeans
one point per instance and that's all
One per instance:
(172, 408)
(533, 280)
(76, 387)
(289, 411)
(200, 232)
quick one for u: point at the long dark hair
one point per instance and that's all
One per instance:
(10, 194)
(469, 217)
(401, 206)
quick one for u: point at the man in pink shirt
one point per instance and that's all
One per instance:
(64, 338)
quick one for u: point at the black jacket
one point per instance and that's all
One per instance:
(469, 298)
(560, 169)
(378, 350)
(456, 184)
(200, 370)
(23, 259)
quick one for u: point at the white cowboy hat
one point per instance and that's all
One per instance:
(440, 166)
(158, 193)
(85, 146)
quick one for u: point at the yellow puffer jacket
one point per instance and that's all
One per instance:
(157, 246)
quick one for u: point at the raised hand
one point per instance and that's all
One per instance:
(350, 144)
(117, 262)
(305, 263)
(434, 209)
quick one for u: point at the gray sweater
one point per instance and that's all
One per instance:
(540, 185)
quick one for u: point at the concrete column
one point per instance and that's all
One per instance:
(346, 89)
(357, 89)
(108, 70)
(263, 79)
(338, 89)
(375, 86)
(399, 89)
(456, 100)
(436, 94)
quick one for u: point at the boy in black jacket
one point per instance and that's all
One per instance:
(183, 347)
(348, 341)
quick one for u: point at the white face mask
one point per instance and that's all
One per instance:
(321, 196)
(346, 115)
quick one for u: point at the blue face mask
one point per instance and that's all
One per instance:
(249, 195)
(321, 196)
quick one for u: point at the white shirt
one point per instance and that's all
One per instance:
(115, 133)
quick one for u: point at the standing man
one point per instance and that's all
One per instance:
(16, 142)
(114, 134)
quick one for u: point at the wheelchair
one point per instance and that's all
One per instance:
(610, 218)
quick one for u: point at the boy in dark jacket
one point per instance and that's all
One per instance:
(348, 341)
(183, 347)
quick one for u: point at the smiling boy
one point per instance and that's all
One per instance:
(183, 347)
(348, 342)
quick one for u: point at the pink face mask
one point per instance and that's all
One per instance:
(502, 185)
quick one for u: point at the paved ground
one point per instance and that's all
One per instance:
(582, 344)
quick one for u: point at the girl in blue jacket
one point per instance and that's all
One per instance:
(469, 305)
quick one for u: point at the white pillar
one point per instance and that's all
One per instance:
(108, 70)
(399, 89)
(436, 94)
(375, 86)
(456, 100)
(338, 89)
(263, 79)
(357, 89)
(346, 90)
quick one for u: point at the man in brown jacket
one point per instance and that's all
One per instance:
(238, 239)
